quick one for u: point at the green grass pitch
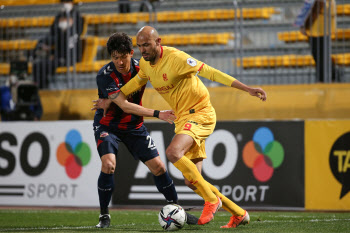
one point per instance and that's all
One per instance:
(82, 220)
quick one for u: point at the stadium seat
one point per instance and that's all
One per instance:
(290, 60)
(343, 9)
(133, 18)
(296, 36)
(42, 2)
(5, 68)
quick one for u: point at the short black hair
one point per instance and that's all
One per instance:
(119, 42)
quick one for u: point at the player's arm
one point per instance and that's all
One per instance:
(131, 108)
(135, 83)
(220, 77)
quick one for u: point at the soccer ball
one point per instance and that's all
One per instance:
(172, 217)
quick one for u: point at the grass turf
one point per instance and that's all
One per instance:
(14, 220)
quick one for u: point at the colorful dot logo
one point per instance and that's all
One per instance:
(263, 154)
(73, 154)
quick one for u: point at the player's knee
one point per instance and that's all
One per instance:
(160, 170)
(172, 154)
(108, 167)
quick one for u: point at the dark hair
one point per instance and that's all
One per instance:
(119, 42)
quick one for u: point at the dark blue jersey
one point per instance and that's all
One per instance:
(110, 81)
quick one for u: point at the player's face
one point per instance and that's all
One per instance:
(122, 61)
(148, 47)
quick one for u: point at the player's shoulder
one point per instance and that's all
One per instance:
(174, 52)
(106, 70)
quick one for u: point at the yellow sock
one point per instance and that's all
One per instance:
(227, 204)
(197, 191)
(190, 172)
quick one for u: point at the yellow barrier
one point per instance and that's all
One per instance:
(283, 102)
(327, 165)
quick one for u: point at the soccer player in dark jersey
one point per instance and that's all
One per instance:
(123, 122)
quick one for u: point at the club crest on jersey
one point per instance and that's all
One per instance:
(165, 77)
(191, 61)
(103, 134)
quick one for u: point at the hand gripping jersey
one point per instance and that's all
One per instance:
(109, 81)
(175, 78)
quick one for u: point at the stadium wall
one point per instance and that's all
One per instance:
(322, 101)
(285, 164)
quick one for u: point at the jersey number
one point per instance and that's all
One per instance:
(151, 144)
(187, 126)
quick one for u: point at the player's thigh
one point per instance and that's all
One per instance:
(180, 144)
(141, 145)
(107, 146)
(156, 166)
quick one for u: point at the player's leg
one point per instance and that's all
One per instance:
(239, 215)
(163, 181)
(105, 187)
(180, 144)
(142, 147)
(107, 147)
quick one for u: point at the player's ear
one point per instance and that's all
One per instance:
(158, 40)
(132, 52)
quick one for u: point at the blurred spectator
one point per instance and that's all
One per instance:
(19, 98)
(61, 47)
(144, 8)
(320, 36)
(124, 6)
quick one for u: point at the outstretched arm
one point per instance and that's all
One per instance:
(258, 92)
(220, 77)
(131, 108)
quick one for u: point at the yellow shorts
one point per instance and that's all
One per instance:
(199, 126)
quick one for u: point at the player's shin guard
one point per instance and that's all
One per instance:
(105, 186)
(191, 173)
(165, 185)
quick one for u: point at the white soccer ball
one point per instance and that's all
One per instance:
(172, 217)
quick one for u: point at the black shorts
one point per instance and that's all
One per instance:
(138, 141)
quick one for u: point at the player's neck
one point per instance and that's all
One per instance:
(156, 59)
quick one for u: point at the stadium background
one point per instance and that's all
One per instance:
(306, 122)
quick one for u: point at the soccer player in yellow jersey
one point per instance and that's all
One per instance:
(173, 74)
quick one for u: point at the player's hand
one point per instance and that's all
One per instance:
(258, 92)
(167, 115)
(101, 104)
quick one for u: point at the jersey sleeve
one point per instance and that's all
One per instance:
(215, 75)
(107, 86)
(135, 83)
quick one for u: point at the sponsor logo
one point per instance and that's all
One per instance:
(73, 154)
(165, 77)
(339, 162)
(107, 70)
(263, 154)
(103, 134)
(191, 62)
(164, 89)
